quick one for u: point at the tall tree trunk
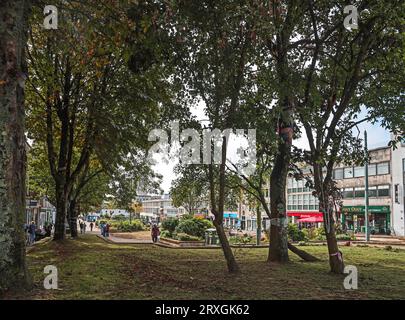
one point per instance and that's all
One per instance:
(219, 212)
(278, 246)
(72, 216)
(61, 212)
(335, 255)
(226, 248)
(13, 28)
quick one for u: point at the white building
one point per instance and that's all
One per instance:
(398, 186)
(386, 196)
(114, 212)
(160, 207)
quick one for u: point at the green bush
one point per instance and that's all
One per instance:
(195, 227)
(126, 226)
(320, 233)
(186, 237)
(294, 233)
(344, 237)
(119, 217)
(245, 239)
(166, 234)
(170, 225)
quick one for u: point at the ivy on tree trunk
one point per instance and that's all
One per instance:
(13, 72)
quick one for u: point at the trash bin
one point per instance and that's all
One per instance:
(211, 237)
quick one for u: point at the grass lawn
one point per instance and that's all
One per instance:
(90, 268)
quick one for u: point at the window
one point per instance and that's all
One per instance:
(299, 202)
(384, 191)
(289, 185)
(348, 172)
(383, 168)
(359, 192)
(372, 191)
(372, 169)
(359, 172)
(338, 174)
(306, 201)
(294, 186)
(300, 185)
(347, 193)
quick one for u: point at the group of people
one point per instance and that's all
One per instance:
(83, 226)
(105, 229)
(31, 230)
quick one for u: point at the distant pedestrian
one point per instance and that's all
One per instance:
(81, 226)
(91, 226)
(155, 233)
(31, 232)
(102, 227)
(107, 230)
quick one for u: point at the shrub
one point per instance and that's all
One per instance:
(294, 233)
(195, 227)
(170, 225)
(126, 226)
(166, 234)
(343, 236)
(245, 239)
(320, 233)
(186, 237)
(119, 217)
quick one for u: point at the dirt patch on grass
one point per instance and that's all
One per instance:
(139, 235)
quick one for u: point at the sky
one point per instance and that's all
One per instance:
(377, 137)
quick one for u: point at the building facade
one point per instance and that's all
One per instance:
(386, 209)
(351, 181)
(398, 185)
(158, 208)
(40, 211)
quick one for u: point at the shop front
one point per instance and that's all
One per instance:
(231, 220)
(379, 219)
(306, 219)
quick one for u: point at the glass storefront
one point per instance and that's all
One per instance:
(379, 219)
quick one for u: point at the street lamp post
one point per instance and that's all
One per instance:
(367, 237)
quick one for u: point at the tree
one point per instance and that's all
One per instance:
(13, 72)
(214, 48)
(348, 70)
(83, 100)
(188, 191)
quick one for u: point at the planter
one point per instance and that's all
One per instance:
(178, 243)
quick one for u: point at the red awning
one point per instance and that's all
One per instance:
(311, 219)
(304, 214)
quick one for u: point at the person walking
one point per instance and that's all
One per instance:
(81, 227)
(102, 227)
(31, 232)
(91, 226)
(107, 230)
(155, 233)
